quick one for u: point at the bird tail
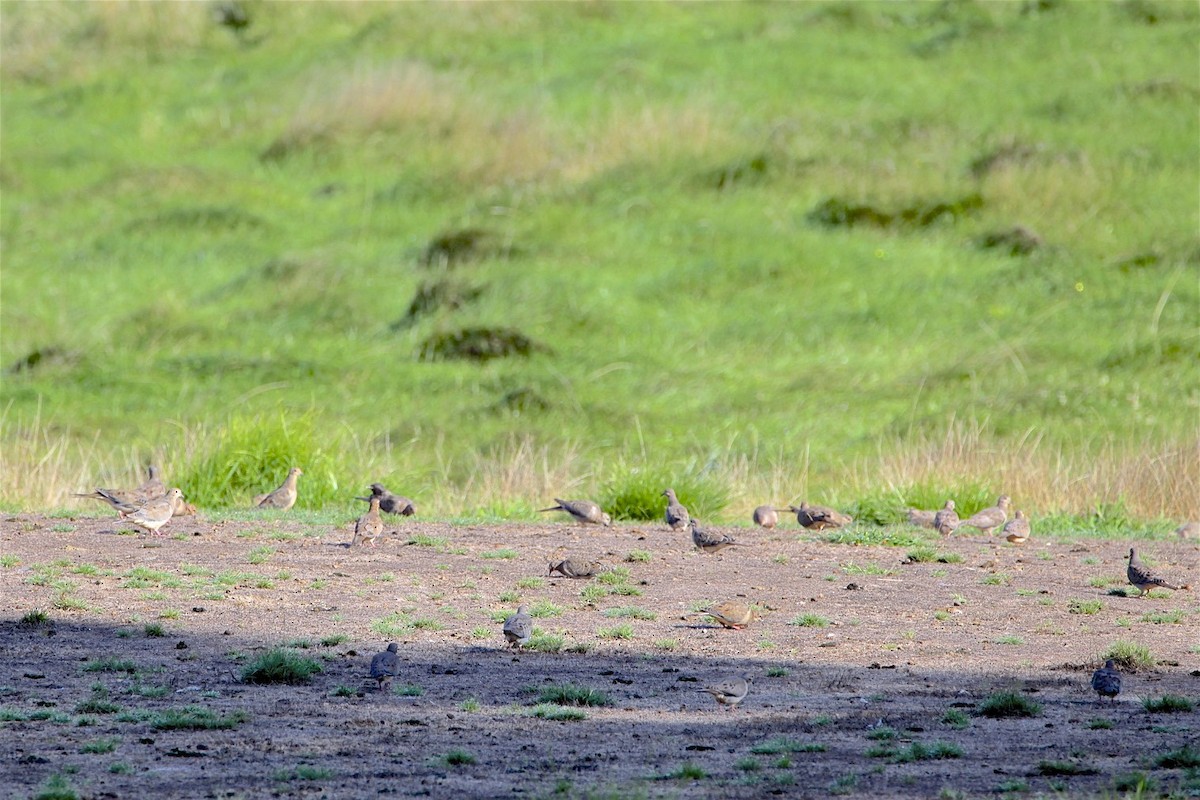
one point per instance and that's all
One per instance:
(551, 508)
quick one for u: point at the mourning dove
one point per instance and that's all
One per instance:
(153, 487)
(518, 628)
(818, 518)
(124, 502)
(710, 542)
(677, 516)
(391, 503)
(729, 692)
(1107, 681)
(575, 568)
(584, 511)
(921, 519)
(183, 508)
(946, 519)
(369, 526)
(766, 517)
(732, 614)
(153, 514)
(385, 666)
(1142, 577)
(284, 497)
(1188, 530)
(1016, 530)
(989, 518)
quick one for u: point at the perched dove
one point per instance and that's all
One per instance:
(369, 526)
(584, 511)
(946, 519)
(1142, 577)
(921, 519)
(1016, 530)
(1188, 530)
(391, 503)
(732, 614)
(677, 515)
(1107, 681)
(575, 568)
(729, 692)
(153, 514)
(766, 517)
(518, 628)
(989, 518)
(710, 542)
(818, 518)
(153, 487)
(123, 502)
(385, 666)
(284, 497)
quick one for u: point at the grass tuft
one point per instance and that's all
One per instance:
(570, 694)
(280, 666)
(1009, 704)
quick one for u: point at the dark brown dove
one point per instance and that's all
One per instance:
(818, 518)
(1143, 577)
(1107, 681)
(946, 519)
(391, 503)
(710, 542)
(385, 666)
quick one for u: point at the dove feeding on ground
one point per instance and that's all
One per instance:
(391, 503)
(584, 511)
(153, 514)
(946, 519)
(518, 627)
(385, 666)
(574, 568)
(818, 518)
(1106, 681)
(123, 502)
(1016, 530)
(765, 517)
(920, 518)
(284, 497)
(732, 614)
(676, 515)
(1143, 577)
(369, 527)
(729, 692)
(989, 518)
(708, 542)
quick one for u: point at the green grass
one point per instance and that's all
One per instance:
(458, 758)
(1084, 606)
(622, 631)
(1168, 704)
(105, 744)
(956, 719)
(1164, 617)
(55, 787)
(918, 751)
(631, 612)
(1185, 757)
(280, 665)
(1129, 656)
(570, 694)
(1008, 704)
(195, 718)
(35, 618)
(110, 664)
(809, 621)
(557, 713)
(313, 254)
(784, 744)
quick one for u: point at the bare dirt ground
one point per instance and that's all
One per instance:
(910, 643)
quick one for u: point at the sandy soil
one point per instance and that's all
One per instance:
(900, 651)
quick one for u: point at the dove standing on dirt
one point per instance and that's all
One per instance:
(385, 666)
(153, 514)
(765, 517)
(920, 518)
(1142, 577)
(818, 518)
(732, 614)
(989, 518)
(710, 542)
(284, 497)
(729, 692)
(677, 516)
(369, 526)
(391, 503)
(575, 568)
(1016, 530)
(584, 511)
(946, 519)
(1107, 681)
(518, 628)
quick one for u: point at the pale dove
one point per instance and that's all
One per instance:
(946, 519)
(1016, 530)
(677, 516)
(818, 518)
(284, 497)
(575, 568)
(710, 542)
(584, 511)
(369, 526)
(385, 666)
(765, 517)
(989, 518)
(518, 628)
(1188, 530)
(153, 514)
(920, 518)
(153, 487)
(729, 692)
(732, 614)
(1107, 681)
(1142, 577)
(391, 503)
(183, 508)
